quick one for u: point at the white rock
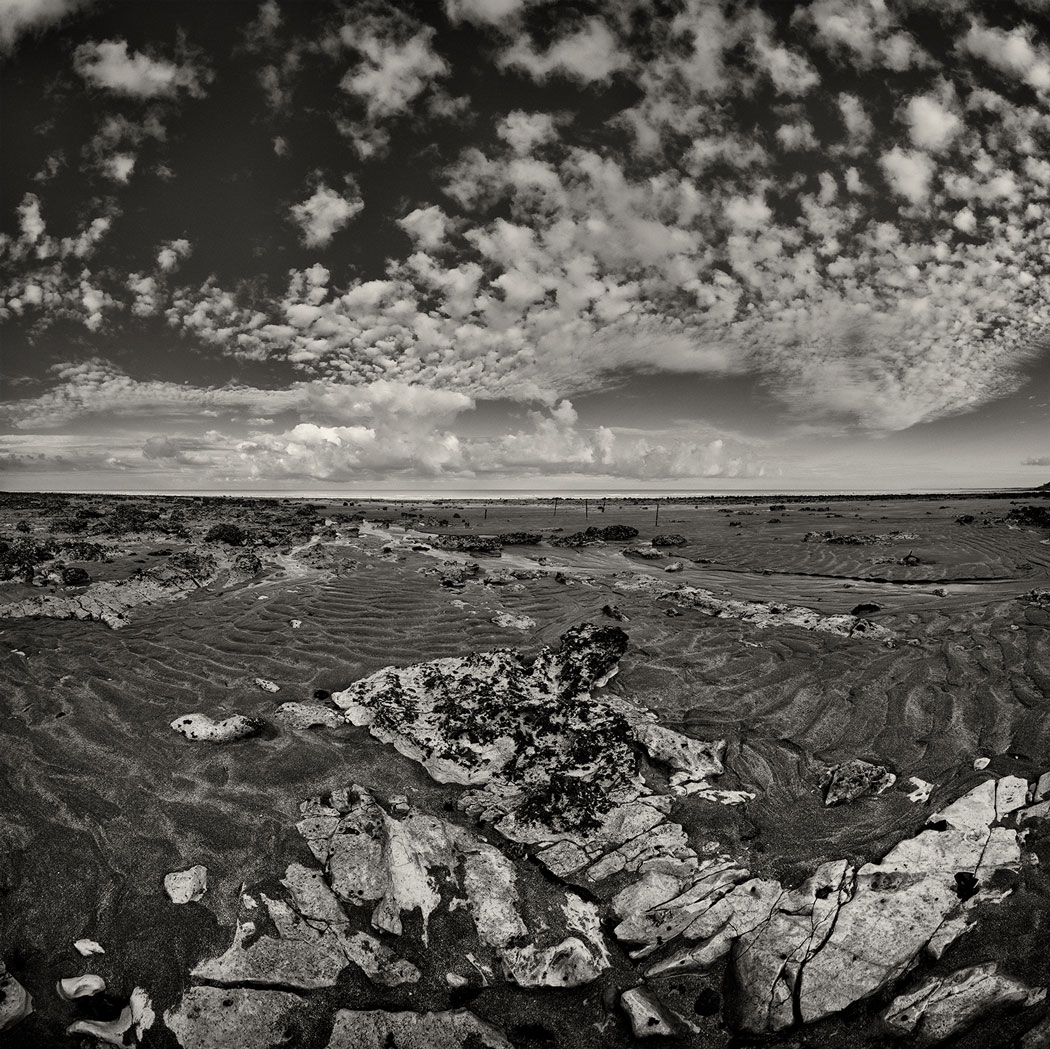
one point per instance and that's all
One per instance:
(512, 622)
(295, 623)
(203, 1020)
(16, 1003)
(203, 728)
(1011, 793)
(980, 764)
(378, 1029)
(88, 947)
(1042, 787)
(112, 1032)
(80, 986)
(648, 1016)
(186, 886)
(266, 685)
(307, 715)
(921, 794)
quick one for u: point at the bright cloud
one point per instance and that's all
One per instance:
(108, 64)
(324, 214)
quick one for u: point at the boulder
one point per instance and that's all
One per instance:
(309, 715)
(671, 539)
(648, 1016)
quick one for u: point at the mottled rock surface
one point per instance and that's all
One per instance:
(376, 1029)
(856, 779)
(204, 729)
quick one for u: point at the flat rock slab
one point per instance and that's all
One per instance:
(376, 1029)
(233, 1018)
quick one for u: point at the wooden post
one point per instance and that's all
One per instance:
(586, 512)
(486, 513)
(555, 506)
(657, 512)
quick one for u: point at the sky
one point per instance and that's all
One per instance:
(452, 245)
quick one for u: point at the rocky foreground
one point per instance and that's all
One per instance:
(566, 862)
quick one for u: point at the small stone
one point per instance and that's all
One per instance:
(267, 685)
(856, 779)
(80, 986)
(674, 566)
(980, 764)
(921, 794)
(513, 622)
(1042, 787)
(186, 886)
(456, 982)
(295, 623)
(88, 947)
(399, 805)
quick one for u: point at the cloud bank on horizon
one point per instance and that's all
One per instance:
(487, 240)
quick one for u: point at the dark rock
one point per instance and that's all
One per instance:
(672, 539)
(865, 608)
(965, 519)
(855, 779)
(519, 538)
(613, 613)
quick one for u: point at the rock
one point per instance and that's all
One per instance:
(1039, 811)
(186, 886)
(267, 686)
(470, 544)
(614, 613)
(247, 564)
(980, 764)
(674, 566)
(850, 933)
(757, 613)
(16, 1003)
(419, 863)
(1037, 1037)
(945, 1006)
(135, 1018)
(80, 986)
(309, 715)
(865, 608)
(649, 1017)
(88, 947)
(671, 539)
(229, 730)
(921, 794)
(295, 624)
(513, 622)
(1042, 787)
(519, 538)
(377, 1029)
(1011, 793)
(856, 779)
(693, 760)
(233, 1018)
(642, 553)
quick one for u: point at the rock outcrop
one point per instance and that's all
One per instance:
(234, 1017)
(856, 779)
(944, 1006)
(757, 613)
(186, 886)
(16, 1003)
(377, 1029)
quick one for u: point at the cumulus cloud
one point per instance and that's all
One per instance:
(1011, 52)
(393, 71)
(591, 54)
(908, 173)
(931, 124)
(19, 17)
(483, 12)
(108, 64)
(324, 214)
(172, 253)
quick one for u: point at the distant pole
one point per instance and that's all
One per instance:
(586, 512)
(657, 511)
(486, 513)
(555, 506)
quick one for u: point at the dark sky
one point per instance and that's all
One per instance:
(492, 243)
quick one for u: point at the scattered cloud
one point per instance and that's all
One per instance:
(108, 64)
(324, 214)
(21, 17)
(592, 54)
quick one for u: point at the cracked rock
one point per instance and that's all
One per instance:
(945, 1006)
(377, 1029)
(233, 1018)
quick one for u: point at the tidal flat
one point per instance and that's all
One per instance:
(711, 773)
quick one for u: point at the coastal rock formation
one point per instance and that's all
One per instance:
(110, 602)
(758, 613)
(595, 536)
(377, 1029)
(944, 1006)
(397, 864)
(519, 538)
(488, 545)
(16, 1003)
(229, 730)
(643, 553)
(308, 715)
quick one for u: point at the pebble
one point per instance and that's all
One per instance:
(88, 947)
(186, 886)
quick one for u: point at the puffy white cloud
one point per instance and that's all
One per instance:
(591, 54)
(394, 71)
(523, 132)
(107, 64)
(791, 72)
(483, 12)
(864, 32)
(119, 166)
(908, 172)
(323, 214)
(171, 254)
(1011, 52)
(428, 227)
(19, 17)
(931, 124)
